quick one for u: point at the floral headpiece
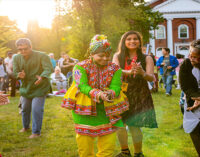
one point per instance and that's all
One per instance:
(99, 44)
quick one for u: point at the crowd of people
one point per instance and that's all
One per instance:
(106, 95)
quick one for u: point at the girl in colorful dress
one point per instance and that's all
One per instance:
(137, 70)
(96, 100)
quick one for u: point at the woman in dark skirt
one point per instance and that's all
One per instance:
(137, 69)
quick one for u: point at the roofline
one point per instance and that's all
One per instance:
(180, 12)
(152, 1)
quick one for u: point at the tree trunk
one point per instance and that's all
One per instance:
(96, 7)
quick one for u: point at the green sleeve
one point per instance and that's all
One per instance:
(81, 80)
(116, 82)
(16, 68)
(47, 66)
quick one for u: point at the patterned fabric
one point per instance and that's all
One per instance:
(141, 111)
(77, 77)
(81, 109)
(129, 63)
(94, 130)
(99, 77)
(100, 117)
(99, 44)
(84, 105)
(3, 99)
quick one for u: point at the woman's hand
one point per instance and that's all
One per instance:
(128, 72)
(105, 97)
(196, 104)
(137, 69)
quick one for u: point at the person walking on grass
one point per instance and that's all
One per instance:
(33, 68)
(137, 69)
(167, 64)
(96, 100)
(189, 77)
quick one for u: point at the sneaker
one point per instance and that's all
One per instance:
(167, 94)
(34, 136)
(24, 130)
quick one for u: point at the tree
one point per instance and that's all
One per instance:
(8, 33)
(112, 18)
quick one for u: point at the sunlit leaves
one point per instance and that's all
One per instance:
(8, 32)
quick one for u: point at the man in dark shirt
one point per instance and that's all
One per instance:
(33, 68)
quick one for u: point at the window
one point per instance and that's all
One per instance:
(183, 31)
(160, 32)
(159, 52)
(184, 48)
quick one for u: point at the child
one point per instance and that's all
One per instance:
(96, 100)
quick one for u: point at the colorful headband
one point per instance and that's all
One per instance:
(99, 44)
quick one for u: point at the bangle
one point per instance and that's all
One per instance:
(145, 74)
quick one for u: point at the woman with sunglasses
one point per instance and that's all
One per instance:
(137, 69)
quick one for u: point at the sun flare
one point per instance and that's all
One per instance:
(25, 10)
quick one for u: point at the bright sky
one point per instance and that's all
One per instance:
(24, 10)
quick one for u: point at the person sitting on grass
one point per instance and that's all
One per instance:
(96, 100)
(59, 79)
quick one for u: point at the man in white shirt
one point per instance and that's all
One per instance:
(9, 68)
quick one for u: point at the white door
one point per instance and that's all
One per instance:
(182, 49)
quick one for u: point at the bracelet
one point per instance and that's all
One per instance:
(145, 74)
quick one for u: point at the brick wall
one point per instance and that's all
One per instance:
(191, 23)
(161, 42)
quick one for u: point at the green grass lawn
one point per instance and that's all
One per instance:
(58, 136)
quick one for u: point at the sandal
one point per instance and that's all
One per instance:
(123, 155)
(139, 154)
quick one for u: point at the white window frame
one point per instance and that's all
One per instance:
(179, 32)
(158, 48)
(158, 51)
(163, 32)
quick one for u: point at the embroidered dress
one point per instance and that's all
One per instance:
(92, 118)
(141, 111)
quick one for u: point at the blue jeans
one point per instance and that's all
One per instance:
(167, 81)
(68, 75)
(37, 106)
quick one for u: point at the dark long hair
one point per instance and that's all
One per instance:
(124, 52)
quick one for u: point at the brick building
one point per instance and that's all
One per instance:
(180, 27)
